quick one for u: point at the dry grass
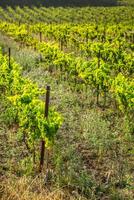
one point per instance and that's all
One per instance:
(26, 188)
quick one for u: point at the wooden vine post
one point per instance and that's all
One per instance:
(42, 151)
(9, 57)
(98, 88)
(9, 62)
(40, 38)
(75, 76)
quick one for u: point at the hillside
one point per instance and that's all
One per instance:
(58, 3)
(66, 100)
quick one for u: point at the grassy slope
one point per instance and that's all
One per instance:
(73, 155)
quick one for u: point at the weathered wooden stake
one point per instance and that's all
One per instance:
(75, 76)
(42, 152)
(9, 57)
(98, 88)
(19, 22)
(40, 36)
(47, 101)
